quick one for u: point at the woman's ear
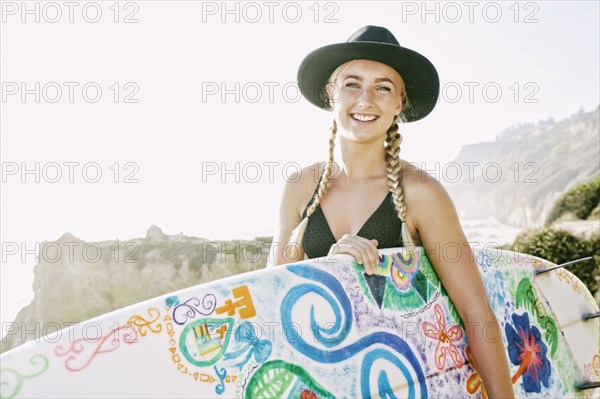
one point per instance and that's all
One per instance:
(331, 89)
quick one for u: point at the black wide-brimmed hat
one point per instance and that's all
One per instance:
(377, 44)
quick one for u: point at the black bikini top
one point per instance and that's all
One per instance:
(383, 225)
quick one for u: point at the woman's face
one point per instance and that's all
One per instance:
(365, 98)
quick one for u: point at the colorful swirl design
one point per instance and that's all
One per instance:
(411, 369)
(12, 386)
(408, 266)
(85, 347)
(383, 382)
(385, 265)
(190, 308)
(403, 270)
(143, 324)
(342, 328)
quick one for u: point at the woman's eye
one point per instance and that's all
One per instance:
(380, 88)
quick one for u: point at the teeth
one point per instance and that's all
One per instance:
(363, 118)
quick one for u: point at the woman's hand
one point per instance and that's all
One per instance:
(363, 250)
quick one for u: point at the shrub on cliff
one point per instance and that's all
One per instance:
(560, 246)
(580, 201)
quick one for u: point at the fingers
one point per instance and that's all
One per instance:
(363, 250)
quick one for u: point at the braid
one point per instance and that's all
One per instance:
(393, 140)
(326, 174)
(298, 233)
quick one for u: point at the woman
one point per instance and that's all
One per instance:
(375, 199)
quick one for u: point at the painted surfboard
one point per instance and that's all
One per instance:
(322, 328)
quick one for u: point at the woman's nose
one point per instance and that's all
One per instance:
(365, 98)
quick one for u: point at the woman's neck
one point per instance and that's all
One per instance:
(362, 161)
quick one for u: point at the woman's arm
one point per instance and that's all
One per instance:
(290, 214)
(436, 221)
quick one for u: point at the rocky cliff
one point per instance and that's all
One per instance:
(518, 177)
(75, 285)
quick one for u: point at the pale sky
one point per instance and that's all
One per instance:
(170, 122)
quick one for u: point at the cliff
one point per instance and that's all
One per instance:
(96, 278)
(518, 177)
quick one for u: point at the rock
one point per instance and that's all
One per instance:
(154, 233)
(72, 289)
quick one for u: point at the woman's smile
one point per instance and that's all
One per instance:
(364, 118)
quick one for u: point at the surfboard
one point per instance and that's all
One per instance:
(322, 328)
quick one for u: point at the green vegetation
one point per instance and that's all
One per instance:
(580, 201)
(560, 246)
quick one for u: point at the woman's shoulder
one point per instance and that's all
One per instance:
(420, 186)
(307, 174)
(429, 205)
(302, 183)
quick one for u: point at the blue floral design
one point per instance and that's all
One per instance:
(527, 350)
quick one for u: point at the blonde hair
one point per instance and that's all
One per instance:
(392, 143)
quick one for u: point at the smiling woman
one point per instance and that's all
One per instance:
(351, 90)
(365, 108)
(375, 199)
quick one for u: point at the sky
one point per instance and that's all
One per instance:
(186, 115)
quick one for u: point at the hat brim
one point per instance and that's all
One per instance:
(420, 77)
